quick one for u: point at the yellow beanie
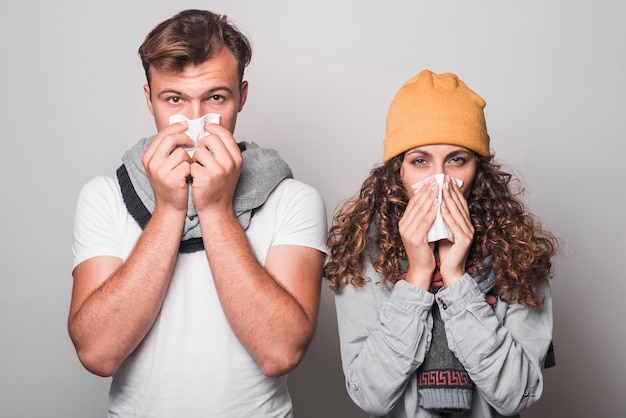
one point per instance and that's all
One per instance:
(435, 109)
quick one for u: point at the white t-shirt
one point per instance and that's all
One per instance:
(191, 364)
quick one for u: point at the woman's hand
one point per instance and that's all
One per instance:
(455, 212)
(417, 219)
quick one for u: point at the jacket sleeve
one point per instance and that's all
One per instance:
(503, 350)
(384, 335)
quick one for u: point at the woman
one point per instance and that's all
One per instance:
(459, 325)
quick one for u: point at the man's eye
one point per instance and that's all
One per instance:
(174, 100)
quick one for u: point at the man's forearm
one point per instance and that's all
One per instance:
(269, 320)
(117, 314)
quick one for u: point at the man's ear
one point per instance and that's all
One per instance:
(146, 92)
(243, 94)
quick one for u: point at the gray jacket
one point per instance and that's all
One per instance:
(385, 331)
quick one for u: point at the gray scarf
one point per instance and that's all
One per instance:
(262, 171)
(443, 383)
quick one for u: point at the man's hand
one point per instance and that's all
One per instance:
(168, 165)
(215, 169)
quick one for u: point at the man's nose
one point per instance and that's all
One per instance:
(195, 111)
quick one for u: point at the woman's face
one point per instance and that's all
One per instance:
(425, 161)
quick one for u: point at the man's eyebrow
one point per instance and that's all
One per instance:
(209, 92)
(169, 91)
(217, 89)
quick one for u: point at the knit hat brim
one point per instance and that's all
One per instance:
(435, 109)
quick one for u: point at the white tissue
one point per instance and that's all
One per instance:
(439, 229)
(195, 127)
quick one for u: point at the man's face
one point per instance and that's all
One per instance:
(211, 87)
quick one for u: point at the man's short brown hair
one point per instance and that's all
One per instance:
(190, 38)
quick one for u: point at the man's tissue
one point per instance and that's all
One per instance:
(195, 127)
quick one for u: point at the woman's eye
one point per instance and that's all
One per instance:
(457, 160)
(419, 161)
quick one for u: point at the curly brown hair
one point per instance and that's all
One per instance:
(365, 229)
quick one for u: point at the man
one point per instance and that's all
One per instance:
(196, 275)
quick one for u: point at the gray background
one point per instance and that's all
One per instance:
(322, 77)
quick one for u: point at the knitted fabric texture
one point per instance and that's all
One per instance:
(443, 383)
(435, 109)
(262, 171)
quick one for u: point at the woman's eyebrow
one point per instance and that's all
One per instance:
(457, 152)
(418, 151)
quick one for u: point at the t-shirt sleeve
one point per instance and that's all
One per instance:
(95, 232)
(302, 216)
